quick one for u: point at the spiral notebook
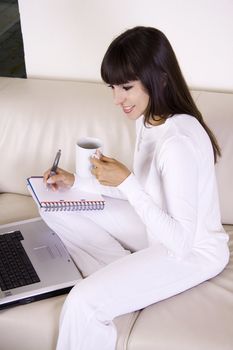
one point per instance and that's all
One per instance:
(71, 199)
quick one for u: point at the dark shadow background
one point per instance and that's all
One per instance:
(12, 62)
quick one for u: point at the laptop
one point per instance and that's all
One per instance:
(34, 263)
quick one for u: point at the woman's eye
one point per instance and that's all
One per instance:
(126, 88)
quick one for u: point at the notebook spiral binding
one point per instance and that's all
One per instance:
(74, 206)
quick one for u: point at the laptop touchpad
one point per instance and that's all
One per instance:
(46, 253)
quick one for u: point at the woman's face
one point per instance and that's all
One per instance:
(131, 97)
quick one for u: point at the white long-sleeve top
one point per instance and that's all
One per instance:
(173, 186)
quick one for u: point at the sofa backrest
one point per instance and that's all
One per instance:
(217, 110)
(37, 117)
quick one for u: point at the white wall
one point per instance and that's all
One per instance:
(66, 39)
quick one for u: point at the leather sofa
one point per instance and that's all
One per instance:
(37, 117)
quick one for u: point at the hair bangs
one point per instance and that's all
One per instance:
(117, 67)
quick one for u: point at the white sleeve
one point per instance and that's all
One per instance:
(175, 227)
(92, 185)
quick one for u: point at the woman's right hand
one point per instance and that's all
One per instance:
(61, 179)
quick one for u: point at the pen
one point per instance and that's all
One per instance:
(53, 170)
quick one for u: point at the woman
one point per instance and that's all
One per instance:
(161, 232)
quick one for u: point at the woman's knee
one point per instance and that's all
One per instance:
(89, 299)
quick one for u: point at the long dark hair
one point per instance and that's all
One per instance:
(145, 54)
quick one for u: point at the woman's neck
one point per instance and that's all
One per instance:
(156, 121)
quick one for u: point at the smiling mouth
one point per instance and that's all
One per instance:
(128, 109)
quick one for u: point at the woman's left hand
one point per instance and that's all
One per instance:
(108, 171)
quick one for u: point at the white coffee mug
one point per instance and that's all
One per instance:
(86, 147)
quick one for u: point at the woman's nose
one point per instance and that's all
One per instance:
(118, 96)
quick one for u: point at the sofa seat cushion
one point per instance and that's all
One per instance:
(16, 207)
(200, 318)
(35, 326)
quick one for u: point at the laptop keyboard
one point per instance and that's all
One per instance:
(16, 269)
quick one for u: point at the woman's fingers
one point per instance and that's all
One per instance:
(61, 178)
(109, 171)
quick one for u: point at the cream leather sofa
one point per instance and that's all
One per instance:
(37, 117)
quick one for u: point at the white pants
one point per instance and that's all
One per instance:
(124, 273)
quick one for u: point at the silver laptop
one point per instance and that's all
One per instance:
(43, 268)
